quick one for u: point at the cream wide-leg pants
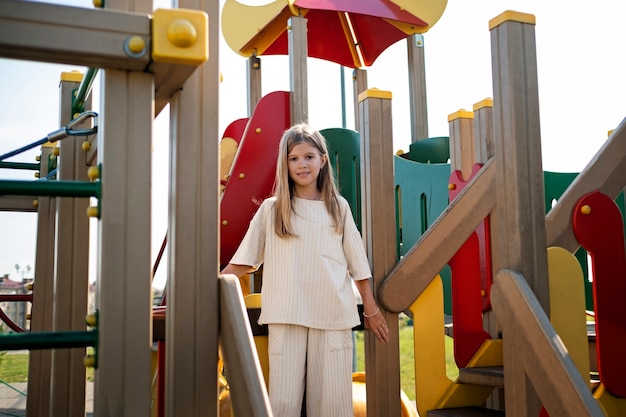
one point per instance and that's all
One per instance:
(322, 359)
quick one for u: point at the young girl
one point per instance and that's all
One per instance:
(311, 250)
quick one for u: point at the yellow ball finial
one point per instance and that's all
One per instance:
(93, 211)
(93, 173)
(91, 320)
(182, 33)
(586, 209)
(89, 361)
(86, 146)
(136, 44)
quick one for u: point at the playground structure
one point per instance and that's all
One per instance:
(499, 179)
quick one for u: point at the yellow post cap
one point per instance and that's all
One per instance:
(374, 93)
(461, 114)
(487, 102)
(511, 16)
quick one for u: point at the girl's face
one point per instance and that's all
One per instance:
(304, 163)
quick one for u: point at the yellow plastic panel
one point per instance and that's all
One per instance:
(567, 306)
(431, 380)
(242, 23)
(180, 36)
(428, 11)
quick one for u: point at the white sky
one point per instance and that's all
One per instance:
(582, 91)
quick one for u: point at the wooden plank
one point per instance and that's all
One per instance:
(17, 203)
(461, 127)
(241, 362)
(536, 352)
(192, 323)
(423, 262)
(298, 53)
(359, 84)
(123, 295)
(417, 87)
(483, 131)
(255, 90)
(71, 269)
(378, 225)
(39, 361)
(521, 240)
(465, 412)
(604, 173)
(492, 376)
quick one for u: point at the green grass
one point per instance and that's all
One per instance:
(407, 368)
(14, 368)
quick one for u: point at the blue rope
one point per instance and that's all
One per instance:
(23, 149)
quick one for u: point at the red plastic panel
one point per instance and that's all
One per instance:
(484, 237)
(599, 228)
(253, 170)
(469, 334)
(236, 129)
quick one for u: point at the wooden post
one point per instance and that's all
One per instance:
(255, 91)
(124, 281)
(417, 87)
(382, 361)
(71, 285)
(521, 238)
(359, 85)
(193, 313)
(483, 131)
(298, 52)
(39, 361)
(461, 125)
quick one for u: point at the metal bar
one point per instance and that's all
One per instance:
(48, 340)
(20, 165)
(50, 188)
(84, 89)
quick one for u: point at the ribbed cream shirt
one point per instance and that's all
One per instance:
(306, 279)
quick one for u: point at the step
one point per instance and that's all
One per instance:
(490, 376)
(465, 412)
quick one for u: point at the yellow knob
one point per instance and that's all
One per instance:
(93, 211)
(56, 151)
(585, 209)
(86, 146)
(182, 33)
(258, 130)
(93, 173)
(224, 222)
(483, 293)
(91, 320)
(136, 44)
(451, 187)
(38, 158)
(89, 361)
(29, 286)
(242, 176)
(35, 203)
(28, 316)
(37, 174)
(98, 3)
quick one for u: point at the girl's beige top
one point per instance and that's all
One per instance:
(307, 280)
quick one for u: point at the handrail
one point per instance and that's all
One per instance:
(604, 173)
(441, 241)
(248, 391)
(543, 358)
(84, 89)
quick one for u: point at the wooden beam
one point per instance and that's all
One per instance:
(521, 238)
(432, 252)
(417, 87)
(604, 173)
(378, 225)
(192, 322)
(298, 53)
(534, 354)
(248, 392)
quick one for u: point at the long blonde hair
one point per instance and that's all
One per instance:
(284, 185)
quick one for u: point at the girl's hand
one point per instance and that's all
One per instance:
(378, 325)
